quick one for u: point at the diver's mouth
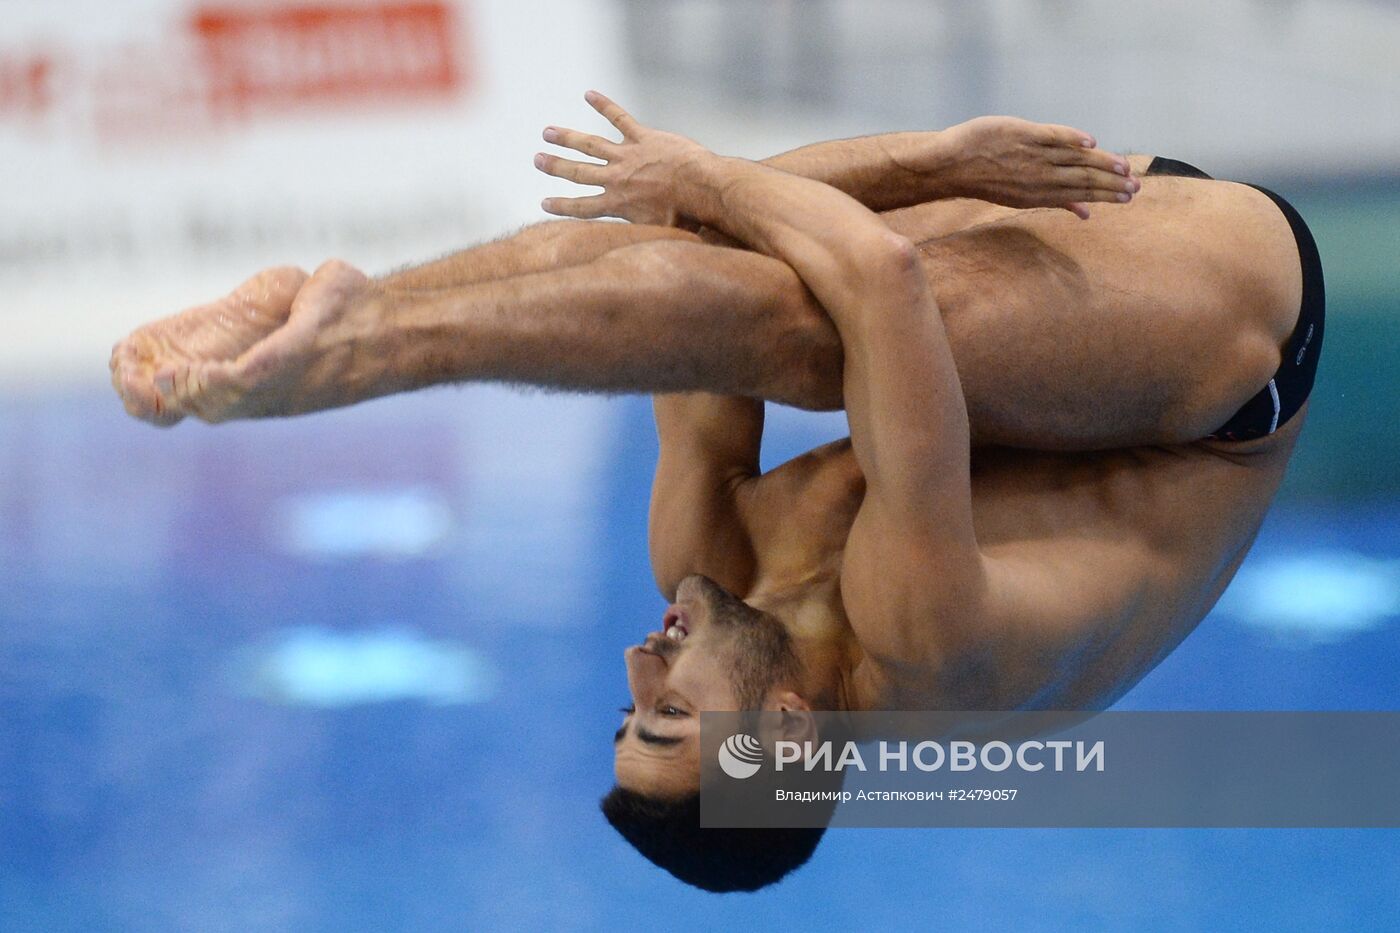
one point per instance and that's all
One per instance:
(674, 625)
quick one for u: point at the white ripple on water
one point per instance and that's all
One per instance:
(320, 667)
(1318, 597)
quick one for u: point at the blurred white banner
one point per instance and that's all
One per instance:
(1264, 89)
(158, 151)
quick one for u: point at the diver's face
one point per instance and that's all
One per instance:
(714, 653)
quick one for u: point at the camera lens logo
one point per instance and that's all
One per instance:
(740, 756)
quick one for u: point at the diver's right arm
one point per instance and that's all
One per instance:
(1004, 160)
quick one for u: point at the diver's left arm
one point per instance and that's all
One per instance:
(709, 448)
(913, 577)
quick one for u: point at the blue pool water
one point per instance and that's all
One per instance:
(360, 672)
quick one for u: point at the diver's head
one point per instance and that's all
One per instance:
(667, 831)
(715, 652)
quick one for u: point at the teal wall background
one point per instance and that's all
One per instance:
(1351, 446)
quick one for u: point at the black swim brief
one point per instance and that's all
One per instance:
(1286, 392)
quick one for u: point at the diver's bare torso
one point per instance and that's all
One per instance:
(1181, 299)
(1101, 562)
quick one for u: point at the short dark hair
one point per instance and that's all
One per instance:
(668, 833)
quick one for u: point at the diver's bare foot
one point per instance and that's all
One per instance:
(220, 331)
(284, 343)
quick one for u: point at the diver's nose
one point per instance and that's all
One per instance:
(645, 674)
(660, 645)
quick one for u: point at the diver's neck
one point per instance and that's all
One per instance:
(827, 670)
(809, 606)
(811, 611)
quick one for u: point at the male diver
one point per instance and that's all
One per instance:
(1063, 436)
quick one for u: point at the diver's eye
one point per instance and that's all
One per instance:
(627, 710)
(670, 711)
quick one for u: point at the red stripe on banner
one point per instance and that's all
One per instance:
(278, 56)
(26, 83)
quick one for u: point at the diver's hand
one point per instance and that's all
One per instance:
(1017, 163)
(282, 344)
(641, 176)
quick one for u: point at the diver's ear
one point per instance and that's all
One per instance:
(796, 723)
(785, 700)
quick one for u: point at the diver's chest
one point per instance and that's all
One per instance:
(804, 509)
